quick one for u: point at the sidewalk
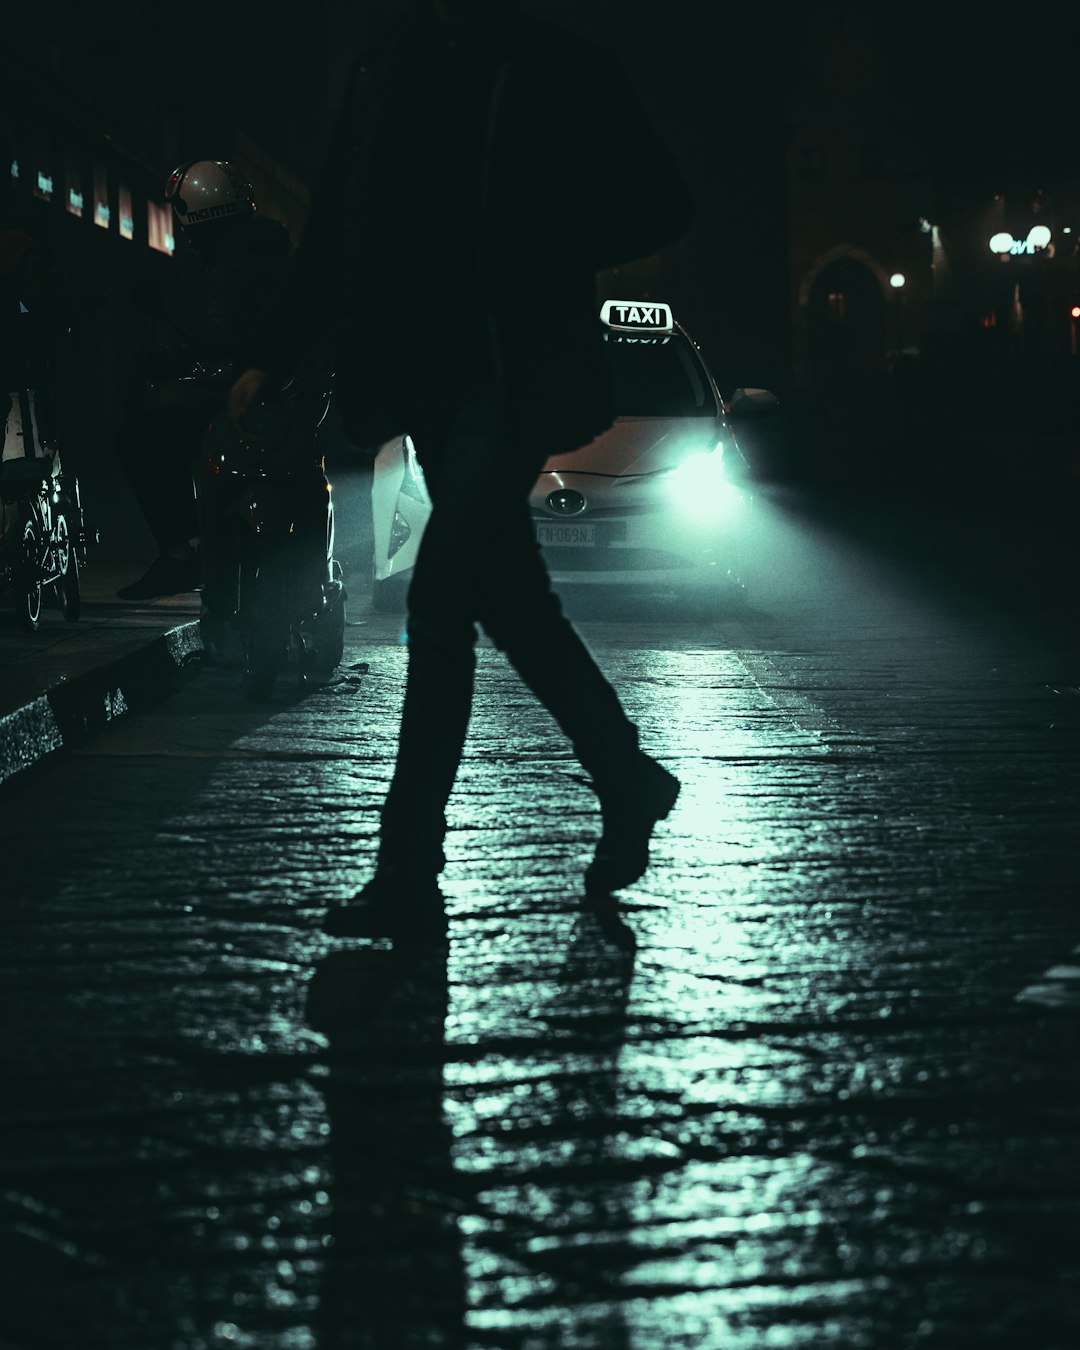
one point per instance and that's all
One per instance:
(68, 680)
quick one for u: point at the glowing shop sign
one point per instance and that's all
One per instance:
(1037, 240)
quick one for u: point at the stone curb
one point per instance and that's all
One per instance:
(76, 709)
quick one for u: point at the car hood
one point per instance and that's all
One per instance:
(637, 445)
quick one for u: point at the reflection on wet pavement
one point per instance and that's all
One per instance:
(780, 1096)
(393, 1274)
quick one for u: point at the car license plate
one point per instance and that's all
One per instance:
(551, 535)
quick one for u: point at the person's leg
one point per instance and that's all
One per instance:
(156, 457)
(479, 561)
(402, 899)
(523, 617)
(441, 631)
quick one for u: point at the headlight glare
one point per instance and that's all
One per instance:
(701, 489)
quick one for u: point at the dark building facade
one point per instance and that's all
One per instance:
(932, 188)
(93, 118)
(834, 148)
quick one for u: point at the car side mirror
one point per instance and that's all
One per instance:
(751, 403)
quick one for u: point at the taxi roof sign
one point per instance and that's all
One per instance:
(637, 316)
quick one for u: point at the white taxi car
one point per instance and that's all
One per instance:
(657, 501)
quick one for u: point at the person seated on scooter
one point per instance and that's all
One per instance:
(245, 257)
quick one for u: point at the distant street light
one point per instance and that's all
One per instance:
(1037, 241)
(898, 281)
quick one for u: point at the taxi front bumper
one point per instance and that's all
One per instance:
(653, 530)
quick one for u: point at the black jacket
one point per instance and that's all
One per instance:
(246, 261)
(475, 186)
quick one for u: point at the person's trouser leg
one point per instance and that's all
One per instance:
(157, 459)
(523, 617)
(434, 720)
(479, 562)
(441, 635)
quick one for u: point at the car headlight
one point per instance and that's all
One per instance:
(701, 489)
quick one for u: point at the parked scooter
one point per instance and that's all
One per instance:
(43, 535)
(271, 585)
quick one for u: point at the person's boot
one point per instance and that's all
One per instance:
(630, 806)
(401, 903)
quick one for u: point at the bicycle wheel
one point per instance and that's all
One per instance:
(67, 587)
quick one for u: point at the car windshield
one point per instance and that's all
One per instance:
(658, 377)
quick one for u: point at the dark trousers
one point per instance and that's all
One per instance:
(158, 452)
(479, 563)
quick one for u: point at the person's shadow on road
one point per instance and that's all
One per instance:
(393, 1277)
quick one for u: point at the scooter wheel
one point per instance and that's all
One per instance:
(323, 640)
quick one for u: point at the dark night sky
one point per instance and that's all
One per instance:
(991, 87)
(988, 90)
(995, 86)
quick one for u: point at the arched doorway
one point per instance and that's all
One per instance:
(846, 322)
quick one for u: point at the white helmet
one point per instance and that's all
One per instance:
(208, 189)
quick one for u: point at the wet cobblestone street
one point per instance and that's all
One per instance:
(812, 1083)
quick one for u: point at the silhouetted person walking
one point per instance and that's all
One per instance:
(485, 167)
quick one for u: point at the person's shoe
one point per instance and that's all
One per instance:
(630, 807)
(166, 575)
(396, 903)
